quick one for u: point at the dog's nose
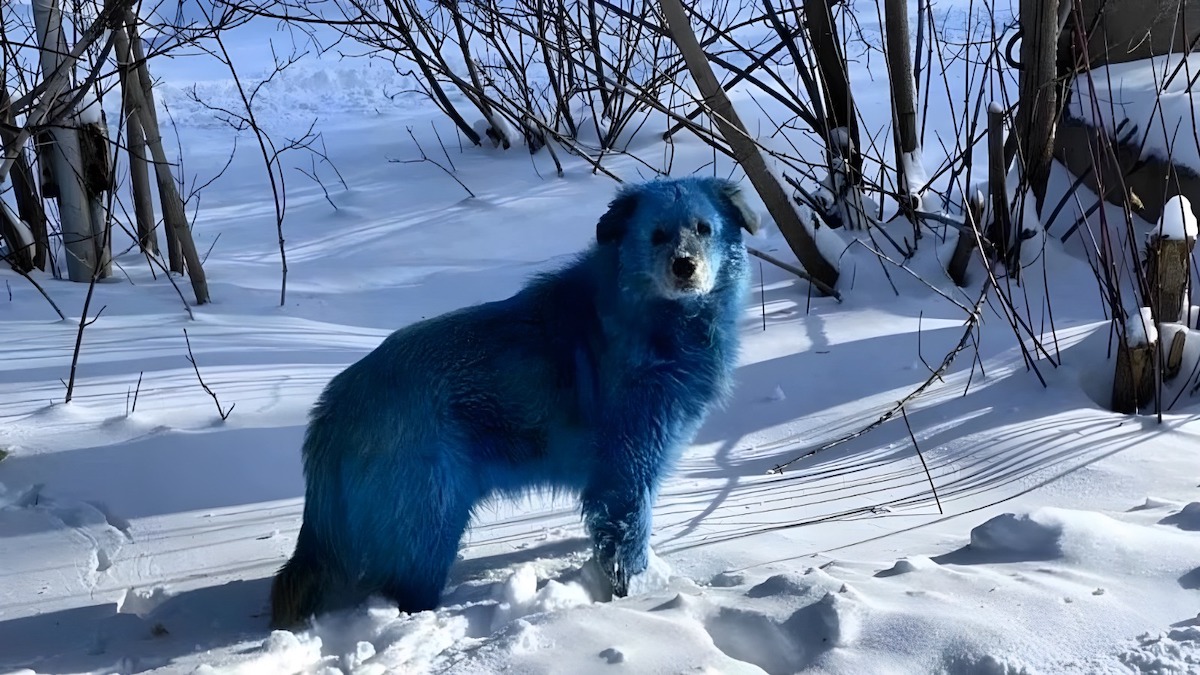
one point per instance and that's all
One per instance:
(683, 268)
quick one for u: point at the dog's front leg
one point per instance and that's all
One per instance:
(617, 515)
(631, 454)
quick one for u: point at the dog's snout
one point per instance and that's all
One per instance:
(683, 268)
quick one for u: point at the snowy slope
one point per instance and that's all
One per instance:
(143, 540)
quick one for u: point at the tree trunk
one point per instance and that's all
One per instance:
(968, 241)
(64, 153)
(831, 64)
(1000, 230)
(29, 205)
(904, 96)
(1037, 108)
(173, 214)
(139, 174)
(142, 77)
(745, 151)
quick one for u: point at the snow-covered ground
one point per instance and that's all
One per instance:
(140, 537)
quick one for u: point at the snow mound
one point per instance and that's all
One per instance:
(300, 93)
(1188, 518)
(1017, 536)
(588, 639)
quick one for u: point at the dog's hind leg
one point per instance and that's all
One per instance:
(408, 529)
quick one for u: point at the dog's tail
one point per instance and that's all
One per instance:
(298, 588)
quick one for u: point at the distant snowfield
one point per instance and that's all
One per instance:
(143, 539)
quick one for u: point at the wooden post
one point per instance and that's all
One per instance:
(745, 151)
(1167, 273)
(1133, 383)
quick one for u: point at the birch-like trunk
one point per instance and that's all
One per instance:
(64, 154)
(142, 77)
(139, 173)
(174, 216)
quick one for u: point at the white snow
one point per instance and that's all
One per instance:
(1153, 95)
(143, 539)
(1178, 221)
(1140, 329)
(914, 173)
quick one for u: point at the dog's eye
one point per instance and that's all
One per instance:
(659, 237)
(704, 228)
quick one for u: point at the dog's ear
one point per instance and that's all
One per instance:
(612, 225)
(730, 195)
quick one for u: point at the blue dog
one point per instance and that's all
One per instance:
(591, 379)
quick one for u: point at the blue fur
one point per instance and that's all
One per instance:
(589, 380)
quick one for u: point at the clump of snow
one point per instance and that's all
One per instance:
(830, 243)
(519, 596)
(843, 201)
(911, 564)
(1178, 221)
(24, 234)
(502, 128)
(915, 177)
(840, 138)
(995, 108)
(1140, 329)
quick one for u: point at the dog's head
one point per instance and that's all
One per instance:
(678, 238)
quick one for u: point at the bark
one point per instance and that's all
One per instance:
(1175, 356)
(1167, 270)
(1133, 382)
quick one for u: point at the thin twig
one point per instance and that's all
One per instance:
(824, 288)
(920, 456)
(192, 360)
